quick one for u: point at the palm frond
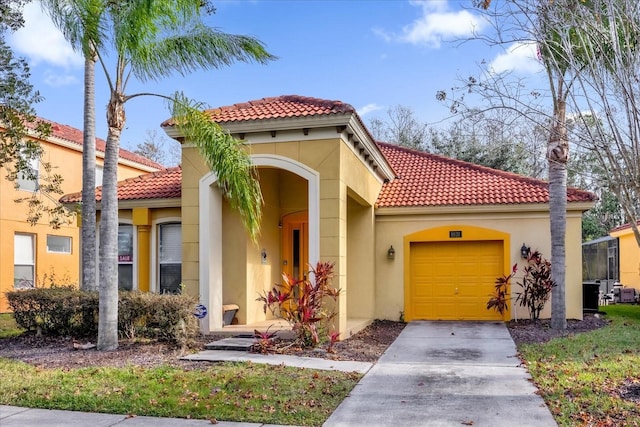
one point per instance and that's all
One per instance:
(225, 156)
(199, 48)
(82, 22)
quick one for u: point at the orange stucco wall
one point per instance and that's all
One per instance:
(64, 267)
(629, 258)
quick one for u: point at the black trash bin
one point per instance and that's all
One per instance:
(590, 297)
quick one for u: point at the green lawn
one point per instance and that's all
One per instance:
(241, 392)
(583, 377)
(8, 327)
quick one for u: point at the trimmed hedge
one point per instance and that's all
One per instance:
(70, 312)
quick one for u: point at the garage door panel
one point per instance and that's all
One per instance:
(440, 290)
(422, 291)
(425, 307)
(453, 280)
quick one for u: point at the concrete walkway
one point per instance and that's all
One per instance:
(26, 417)
(446, 374)
(280, 359)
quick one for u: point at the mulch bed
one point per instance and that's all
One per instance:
(528, 332)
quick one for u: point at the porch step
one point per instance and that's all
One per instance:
(234, 343)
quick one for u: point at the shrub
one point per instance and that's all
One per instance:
(57, 311)
(264, 341)
(166, 317)
(536, 285)
(302, 304)
(63, 311)
(498, 300)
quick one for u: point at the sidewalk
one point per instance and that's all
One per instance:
(25, 417)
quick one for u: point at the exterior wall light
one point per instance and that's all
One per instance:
(391, 253)
(525, 251)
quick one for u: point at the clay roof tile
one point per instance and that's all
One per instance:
(75, 136)
(275, 108)
(164, 184)
(430, 180)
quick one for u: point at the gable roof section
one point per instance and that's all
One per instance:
(280, 107)
(430, 180)
(75, 136)
(164, 184)
(623, 227)
(294, 112)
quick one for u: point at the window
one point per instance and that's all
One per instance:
(24, 264)
(170, 258)
(29, 181)
(58, 244)
(99, 171)
(125, 257)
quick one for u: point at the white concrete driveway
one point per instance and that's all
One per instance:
(446, 374)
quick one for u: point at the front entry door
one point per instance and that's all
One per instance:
(295, 246)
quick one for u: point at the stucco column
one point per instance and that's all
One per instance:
(142, 221)
(333, 241)
(144, 257)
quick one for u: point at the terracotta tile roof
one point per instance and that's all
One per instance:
(280, 107)
(431, 180)
(74, 135)
(624, 227)
(164, 184)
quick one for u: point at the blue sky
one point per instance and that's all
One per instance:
(371, 54)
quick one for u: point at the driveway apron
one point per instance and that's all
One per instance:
(446, 374)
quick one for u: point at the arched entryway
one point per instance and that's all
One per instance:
(211, 233)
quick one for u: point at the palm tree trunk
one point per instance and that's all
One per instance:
(558, 155)
(88, 239)
(108, 304)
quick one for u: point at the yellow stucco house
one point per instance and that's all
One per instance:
(410, 233)
(28, 253)
(629, 252)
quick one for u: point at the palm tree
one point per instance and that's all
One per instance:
(79, 21)
(546, 21)
(154, 40)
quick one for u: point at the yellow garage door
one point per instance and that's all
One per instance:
(453, 280)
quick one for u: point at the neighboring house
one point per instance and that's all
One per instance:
(30, 255)
(600, 262)
(149, 234)
(411, 234)
(629, 253)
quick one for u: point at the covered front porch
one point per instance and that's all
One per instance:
(320, 176)
(299, 228)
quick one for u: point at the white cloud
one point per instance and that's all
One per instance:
(519, 57)
(41, 41)
(59, 80)
(437, 24)
(369, 108)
